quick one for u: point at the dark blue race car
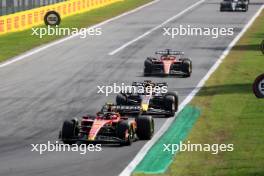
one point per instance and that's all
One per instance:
(234, 5)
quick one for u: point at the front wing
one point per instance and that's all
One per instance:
(135, 110)
(99, 139)
(174, 70)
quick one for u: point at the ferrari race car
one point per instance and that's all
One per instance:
(169, 63)
(107, 127)
(234, 5)
(148, 102)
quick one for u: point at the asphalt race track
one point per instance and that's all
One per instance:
(39, 92)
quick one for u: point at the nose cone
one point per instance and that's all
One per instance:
(167, 65)
(144, 107)
(91, 138)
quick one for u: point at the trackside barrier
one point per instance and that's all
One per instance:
(27, 19)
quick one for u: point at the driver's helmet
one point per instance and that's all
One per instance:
(108, 107)
(109, 115)
(148, 85)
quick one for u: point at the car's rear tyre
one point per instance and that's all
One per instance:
(145, 127)
(125, 132)
(170, 105)
(187, 67)
(148, 62)
(147, 71)
(246, 9)
(121, 99)
(176, 99)
(147, 67)
(222, 8)
(68, 132)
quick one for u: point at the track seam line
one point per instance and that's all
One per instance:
(140, 155)
(59, 41)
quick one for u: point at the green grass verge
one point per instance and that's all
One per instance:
(231, 114)
(157, 160)
(16, 43)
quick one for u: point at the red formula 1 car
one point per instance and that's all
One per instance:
(169, 63)
(107, 127)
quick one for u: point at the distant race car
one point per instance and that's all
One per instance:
(169, 63)
(234, 5)
(154, 103)
(108, 126)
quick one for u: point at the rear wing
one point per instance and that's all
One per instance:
(169, 52)
(137, 84)
(126, 109)
(136, 110)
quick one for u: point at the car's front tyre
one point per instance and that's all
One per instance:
(68, 132)
(147, 67)
(145, 127)
(175, 101)
(187, 67)
(125, 132)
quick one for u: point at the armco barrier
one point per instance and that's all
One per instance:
(27, 19)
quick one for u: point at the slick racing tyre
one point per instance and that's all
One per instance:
(221, 9)
(147, 67)
(125, 132)
(147, 71)
(69, 131)
(176, 99)
(145, 127)
(187, 67)
(245, 9)
(121, 99)
(170, 105)
(148, 62)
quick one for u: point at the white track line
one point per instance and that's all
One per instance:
(39, 49)
(132, 165)
(155, 28)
